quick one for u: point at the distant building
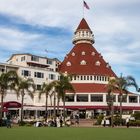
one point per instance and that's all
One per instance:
(40, 69)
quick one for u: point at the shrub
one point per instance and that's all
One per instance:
(136, 115)
(99, 119)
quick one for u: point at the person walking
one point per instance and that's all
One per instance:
(8, 120)
(127, 122)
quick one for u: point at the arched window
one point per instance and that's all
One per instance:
(73, 54)
(93, 53)
(68, 63)
(83, 62)
(83, 53)
(98, 63)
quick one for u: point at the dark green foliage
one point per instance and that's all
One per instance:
(136, 115)
(99, 119)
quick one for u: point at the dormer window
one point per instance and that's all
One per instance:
(73, 54)
(93, 53)
(68, 63)
(83, 62)
(98, 63)
(83, 53)
(107, 65)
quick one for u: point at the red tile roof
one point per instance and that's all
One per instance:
(89, 88)
(83, 25)
(90, 68)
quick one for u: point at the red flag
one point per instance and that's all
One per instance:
(85, 5)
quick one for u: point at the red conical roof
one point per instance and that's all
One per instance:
(83, 25)
(84, 59)
(91, 57)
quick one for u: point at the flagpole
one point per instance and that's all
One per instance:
(83, 9)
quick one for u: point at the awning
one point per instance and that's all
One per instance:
(12, 104)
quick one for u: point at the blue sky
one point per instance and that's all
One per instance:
(31, 26)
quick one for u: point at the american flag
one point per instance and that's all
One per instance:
(85, 5)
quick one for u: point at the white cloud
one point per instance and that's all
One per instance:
(12, 39)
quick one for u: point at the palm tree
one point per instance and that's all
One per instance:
(121, 84)
(45, 89)
(24, 86)
(7, 81)
(110, 101)
(61, 87)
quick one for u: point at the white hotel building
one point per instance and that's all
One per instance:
(91, 74)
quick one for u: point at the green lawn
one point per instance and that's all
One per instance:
(32, 133)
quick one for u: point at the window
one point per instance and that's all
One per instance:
(124, 98)
(83, 53)
(68, 63)
(2, 69)
(34, 58)
(96, 98)
(93, 53)
(49, 61)
(73, 54)
(26, 73)
(51, 76)
(133, 99)
(39, 75)
(98, 63)
(82, 97)
(84, 77)
(69, 98)
(38, 87)
(107, 65)
(90, 77)
(23, 58)
(109, 98)
(83, 62)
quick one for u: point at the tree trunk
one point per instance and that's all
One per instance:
(54, 106)
(1, 109)
(120, 109)
(22, 102)
(58, 100)
(112, 114)
(64, 112)
(46, 108)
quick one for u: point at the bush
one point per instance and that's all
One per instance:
(22, 123)
(136, 115)
(118, 121)
(99, 119)
(135, 123)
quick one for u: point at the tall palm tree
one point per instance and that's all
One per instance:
(7, 81)
(121, 84)
(110, 101)
(45, 89)
(61, 87)
(24, 86)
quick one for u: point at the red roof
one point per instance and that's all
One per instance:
(89, 87)
(83, 25)
(90, 68)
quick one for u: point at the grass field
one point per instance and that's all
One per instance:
(42, 133)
